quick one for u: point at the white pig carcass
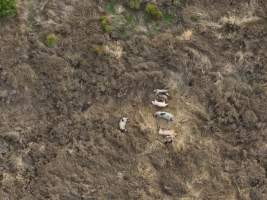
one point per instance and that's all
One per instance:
(161, 104)
(122, 123)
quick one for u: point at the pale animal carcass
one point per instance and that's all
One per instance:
(122, 123)
(164, 115)
(161, 104)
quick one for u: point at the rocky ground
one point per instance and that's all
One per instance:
(60, 106)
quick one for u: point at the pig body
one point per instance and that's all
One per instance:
(122, 123)
(164, 115)
(161, 104)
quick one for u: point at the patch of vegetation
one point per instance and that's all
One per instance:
(119, 22)
(105, 22)
(51, 40)
(153, 11)
(168, 18)
(131, 20)
(153, 29)
(110, 7)
(179, 3)
(127, 24)
(194, 18)
(135, 4)
(7, 8)
(123, 25)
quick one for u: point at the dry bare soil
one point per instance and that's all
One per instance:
(60, 106)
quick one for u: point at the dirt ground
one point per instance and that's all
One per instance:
(60, 106)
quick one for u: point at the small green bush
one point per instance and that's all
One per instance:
(105, 24)
(7, 8)
(135, 4)
(153, 11)
(168, 18)
(51, 40)
(110, 7)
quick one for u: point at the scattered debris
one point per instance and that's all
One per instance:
(166, 132)
(187, 35)
(12, 135)
(162, 97)
(119, 9)
(161, 91)
(161, 104)
(122, 124)
(168, 139)
(164, 115)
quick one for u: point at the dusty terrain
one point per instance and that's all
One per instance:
(60, 106)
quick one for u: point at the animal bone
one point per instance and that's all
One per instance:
(160, 104)
(122, 123)
(164, 115)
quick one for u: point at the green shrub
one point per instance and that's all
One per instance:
(7, 8)
(153, 11)
(51, 40)
(168, 18)
(110, 7)
(105, 24)
(135, 4)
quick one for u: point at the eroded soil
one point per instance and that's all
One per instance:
(60, 107)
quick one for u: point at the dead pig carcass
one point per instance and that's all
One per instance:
(161, 104)
(123, 123)
(164, 115)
